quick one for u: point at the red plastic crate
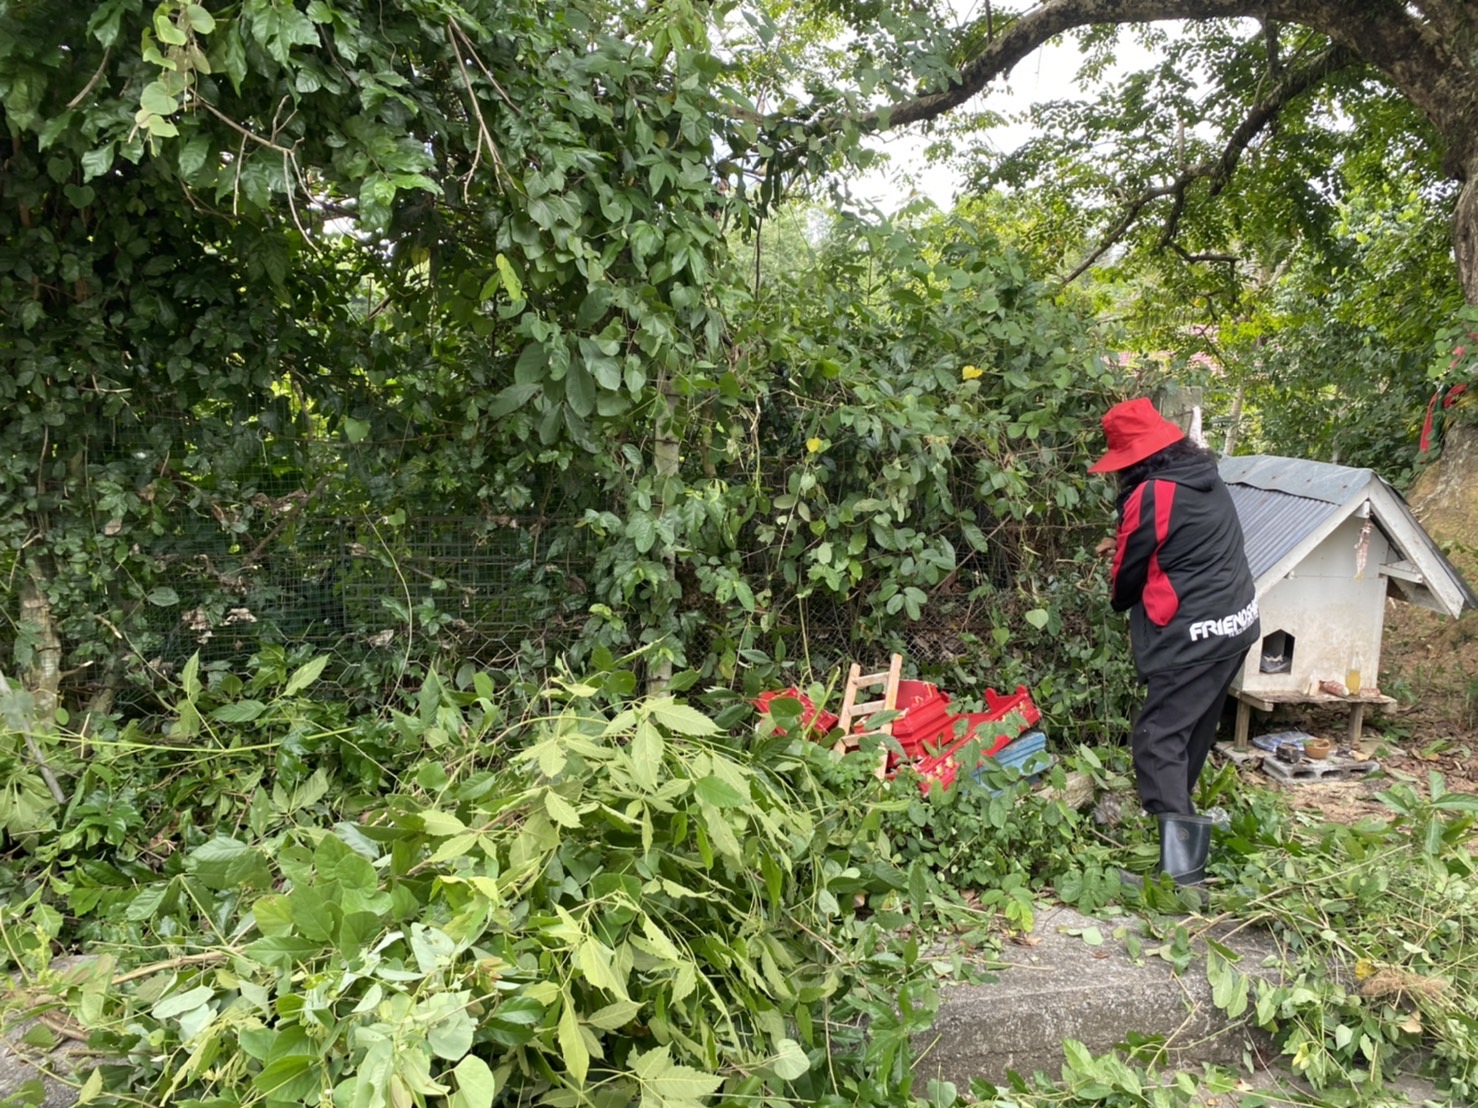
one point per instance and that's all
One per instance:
(999, 707)
(944, 765)
(926, 717)
(810, 717)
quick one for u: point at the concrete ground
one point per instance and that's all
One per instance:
(1074, 978)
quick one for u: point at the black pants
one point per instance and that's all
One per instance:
(1176, 729)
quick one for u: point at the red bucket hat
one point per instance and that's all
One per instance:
(1135, 431)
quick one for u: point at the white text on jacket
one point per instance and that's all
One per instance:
(1227, 626)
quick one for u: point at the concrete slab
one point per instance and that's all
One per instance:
(47, 1078)
(44, 1078)
(1057, 985)
(1063, 987)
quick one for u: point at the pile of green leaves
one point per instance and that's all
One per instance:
(502, 892)
(1378, 927)
(1374, 923)
(604, 902)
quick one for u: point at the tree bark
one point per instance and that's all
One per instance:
(1465, 235)
(44, 676)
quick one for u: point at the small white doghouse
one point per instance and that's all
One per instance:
(1327, 545)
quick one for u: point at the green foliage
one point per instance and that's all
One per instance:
(997, 834)
(489, 265)
(508, 891)
(608, 900)
(1301, 266)
(1377, 923)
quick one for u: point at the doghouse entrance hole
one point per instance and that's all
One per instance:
(1277, 653)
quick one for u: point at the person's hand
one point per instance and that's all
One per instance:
(1105, 547)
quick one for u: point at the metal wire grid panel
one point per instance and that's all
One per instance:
(467, 587)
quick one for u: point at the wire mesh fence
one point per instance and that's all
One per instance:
(461, 586)
(260, 557)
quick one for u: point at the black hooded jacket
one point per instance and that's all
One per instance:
(1180, 569)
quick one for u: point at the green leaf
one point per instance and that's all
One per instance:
(614, 1016)
(593, 959)
(156, 98)
(441, 823)
(665, 1084)
(643, 531)
(281, 952)
(1037, 617)
(224, 863)
(98, 161)
(572, 1043)
(163, 597)
(91, 1088)
(178, 1004)
(451, 1029)
(513, 1022)
(509, 278)
(719, 793)
(166, 30)
(200, 20)
(560, 810)
(279, 27)
(234, 55)
(240, 711)
(314, 917)
(647, 748)
(273, 915)
(356, 430)
(532, 365)
(580, 390)
(513, 398)
(305, 675)
(681, 718)
(288, 1080)
(790, 1061)
(104, 21)
(193, 153)
(189, 677)
(476, 1085)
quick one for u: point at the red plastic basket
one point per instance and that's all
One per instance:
(926, 718)
(812, 719)
(943, 766)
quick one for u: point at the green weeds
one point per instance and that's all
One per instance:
(493, 894)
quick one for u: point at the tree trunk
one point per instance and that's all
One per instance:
(1465, 235)
(1229, 443)
(666, 459)
(44, 676)
(1443, 496)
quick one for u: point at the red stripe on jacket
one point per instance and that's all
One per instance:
(1159, 598)
(1127, 527)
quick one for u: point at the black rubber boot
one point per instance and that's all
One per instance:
(1185, 841)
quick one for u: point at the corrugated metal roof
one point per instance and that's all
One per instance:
(1273, 523)
(1282, 501)
(1297, 477)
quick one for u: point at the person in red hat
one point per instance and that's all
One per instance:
(1180, 570)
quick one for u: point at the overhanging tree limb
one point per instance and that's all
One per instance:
(1383, 32)
(1295, 83)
